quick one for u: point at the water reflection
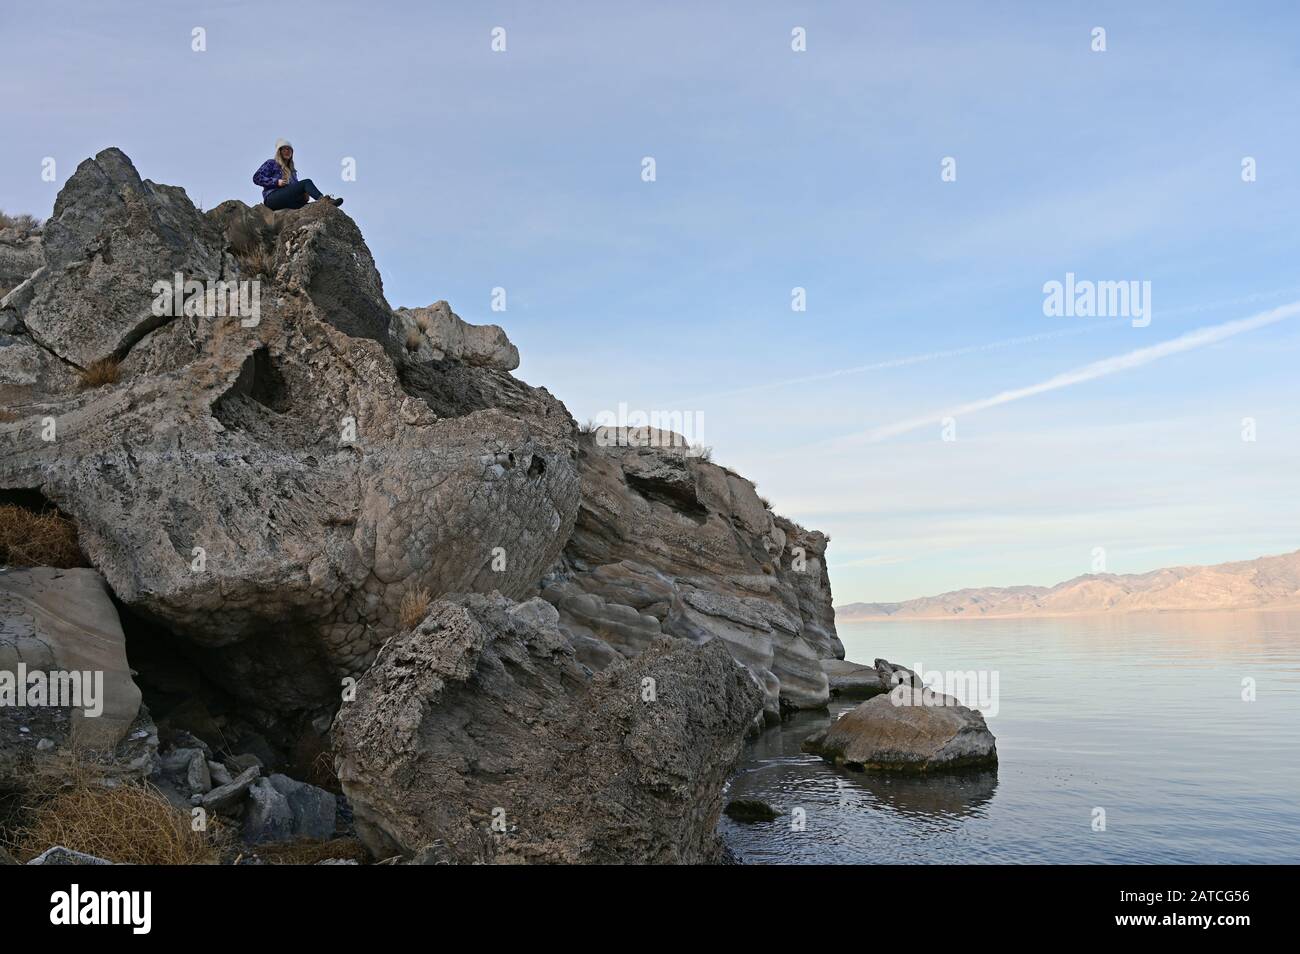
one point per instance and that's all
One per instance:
(1143, 715)
(949, 795)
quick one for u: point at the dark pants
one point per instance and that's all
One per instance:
(292, 196)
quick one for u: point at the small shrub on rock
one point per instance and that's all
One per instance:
(257, 260)
(413, 607)
(99, 373)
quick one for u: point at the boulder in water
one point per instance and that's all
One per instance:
(907, 730)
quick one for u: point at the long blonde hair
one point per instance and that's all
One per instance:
(287, 168)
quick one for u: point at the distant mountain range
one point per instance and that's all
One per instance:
(1272, 582)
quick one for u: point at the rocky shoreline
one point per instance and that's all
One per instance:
(347, 579)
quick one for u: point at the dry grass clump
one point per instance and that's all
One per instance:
(129, 824)
(252, 241)
(413, 607)
(413, 339)
(23, 223)
(422, 321)
(241, 233)
(257, 260)
(100, 372)
(47, 538)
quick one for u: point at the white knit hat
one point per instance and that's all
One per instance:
(280, 144)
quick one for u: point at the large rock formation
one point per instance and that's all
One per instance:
(271, 488)
(478, 736)
(669, 542)
(270, 466)
(271, 492)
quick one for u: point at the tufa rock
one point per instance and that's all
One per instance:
(112, 236)
(478, 736)
(269, 487)
(668, 542)
(907, 730)
(442, 334)
(316, 476)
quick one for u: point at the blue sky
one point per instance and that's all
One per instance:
(778, 169)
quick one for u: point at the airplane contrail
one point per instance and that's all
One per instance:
(903, 362)
(1091, 372)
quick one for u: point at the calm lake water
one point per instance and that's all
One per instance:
(1141, 716)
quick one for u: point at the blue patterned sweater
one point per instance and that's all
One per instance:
(268, 177)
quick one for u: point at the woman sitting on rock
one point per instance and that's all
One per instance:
(279, 181)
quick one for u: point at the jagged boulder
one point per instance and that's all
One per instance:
(669, 542)
(271, 489)
(478, 736)
(439, 333)
(908, 729)
(60, 632)
(112, 236)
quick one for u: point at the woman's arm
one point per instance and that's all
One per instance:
(267, 175)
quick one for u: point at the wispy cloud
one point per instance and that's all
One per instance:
(902, 362)
(907, 360)
(1090, 372)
